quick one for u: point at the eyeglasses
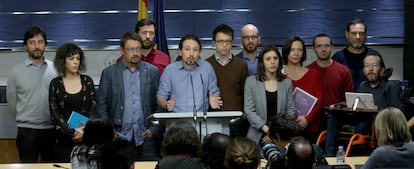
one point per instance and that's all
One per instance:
(222, 42)
(323, 46)
(252, 37)
(358, 33)
(374, 65)
(132, 50)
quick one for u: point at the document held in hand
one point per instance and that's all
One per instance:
(77, 120)
(304, 102)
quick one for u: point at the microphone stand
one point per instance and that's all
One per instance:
(194, 105)
(204, 107)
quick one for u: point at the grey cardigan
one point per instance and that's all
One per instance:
(255, 108)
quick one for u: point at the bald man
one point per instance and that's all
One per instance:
(250, 40)
(300, 154)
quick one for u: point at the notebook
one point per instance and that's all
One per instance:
(77, 120)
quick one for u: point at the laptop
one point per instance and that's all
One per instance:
(356, 100)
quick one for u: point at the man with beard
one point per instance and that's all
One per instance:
(353, 54)
(27, 97)
(146, 29)
(386, 93)
(336, 79)
(188, 79)
(127, 96)
(250, 40)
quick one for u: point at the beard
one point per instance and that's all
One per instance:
(37, 54)
(358, 44)
(372, 77)
(134, 60)
(147, 44)
(250, 48)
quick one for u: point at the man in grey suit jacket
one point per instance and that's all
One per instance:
(127, 96)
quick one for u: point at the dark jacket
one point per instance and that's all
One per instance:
(110, 96)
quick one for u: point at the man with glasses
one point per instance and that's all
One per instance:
(354, 53)
(336, 79)
(231, 71)
(250, 40)
(127, 96)
(386, 93)
(146, 30)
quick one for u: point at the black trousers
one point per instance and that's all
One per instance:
(34, 142)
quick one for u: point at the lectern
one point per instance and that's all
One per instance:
(206, 124)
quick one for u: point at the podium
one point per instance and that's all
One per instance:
(213, 121)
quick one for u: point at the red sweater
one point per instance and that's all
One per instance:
(336, 80)
(311, 83)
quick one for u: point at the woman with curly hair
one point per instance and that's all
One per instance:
(71, 91)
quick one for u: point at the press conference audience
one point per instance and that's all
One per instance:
(118, 155)
(180, 147)
(242, 153)
(282, 130)
(396, 150)
(213, 150)
(266, 94)
(97, 134)
(70, 92)
(300, 154)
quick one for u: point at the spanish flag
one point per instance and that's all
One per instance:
(161, 38)
(142, 9)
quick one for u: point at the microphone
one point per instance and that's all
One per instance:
(204, 95)
(194, 105)
(59, 166)
(204, 107)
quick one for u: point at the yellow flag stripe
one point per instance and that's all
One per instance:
(142, 9)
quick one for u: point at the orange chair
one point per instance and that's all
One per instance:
(355, 138)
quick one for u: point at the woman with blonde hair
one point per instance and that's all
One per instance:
(242, 153)
(396, 149)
